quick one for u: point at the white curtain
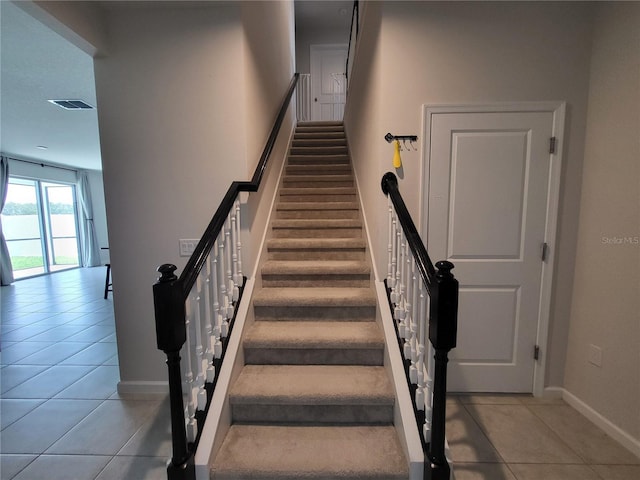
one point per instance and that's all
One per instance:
(6, 270)
(90, 249)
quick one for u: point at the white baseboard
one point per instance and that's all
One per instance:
(143, 388)
(619, 435)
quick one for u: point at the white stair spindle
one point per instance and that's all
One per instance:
(239, 280)
(215, 291)
(394, 239)
(208, 322)
(190, 390)
(201, 361)
(389, 243)
(225, 301)
(234, 255)
(229, 264)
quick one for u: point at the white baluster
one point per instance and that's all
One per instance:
(215, 291)
(208, 322)
(399, 311)
(394, 240)
(201, 361)
(190, 390)
(239, 280)
(228, 246)
(234, 254)
(390, 244)
(422, 328)
(225, 301)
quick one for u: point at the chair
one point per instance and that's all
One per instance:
(108, 286)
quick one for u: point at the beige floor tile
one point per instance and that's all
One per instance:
(587, 440)
(466, 440)
(482, 471)
(553, 472)
(10, 465)
(63, 467)
(618, 472)
(154, 437)
(138, 468)
(529, 400)
(115, 420)
(519, 436)
(490, 399)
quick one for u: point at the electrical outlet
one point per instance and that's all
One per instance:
(187, 246)
(595, 355)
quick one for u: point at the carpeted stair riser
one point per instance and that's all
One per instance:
(315, 304)
(316, 249)
(322, 135)
(312, 394)
(319, 142)
(342, 194)
(314, 343)
(319, 273)
(317, 181)
(316, 169)
(315, 159)
(318, 453)
(319, 228)
(328, 150)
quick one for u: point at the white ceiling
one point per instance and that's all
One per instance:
(38, 65)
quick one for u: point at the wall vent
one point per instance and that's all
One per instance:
(72, 104)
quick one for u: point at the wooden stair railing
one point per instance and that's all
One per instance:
(194, 313)
(411, 278)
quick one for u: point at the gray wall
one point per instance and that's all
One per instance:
(606, 303)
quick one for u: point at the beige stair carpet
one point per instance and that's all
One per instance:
(313, 400)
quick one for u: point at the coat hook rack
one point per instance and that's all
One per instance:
(403, 138)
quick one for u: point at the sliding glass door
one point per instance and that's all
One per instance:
(40, 225)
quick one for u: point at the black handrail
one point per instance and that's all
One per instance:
(443, 320)
(201, 251)
(355, 14)
(171, 292)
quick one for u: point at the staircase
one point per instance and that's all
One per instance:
(313, 399)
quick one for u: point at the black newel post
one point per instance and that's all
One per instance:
(170, 313)
(443, 326)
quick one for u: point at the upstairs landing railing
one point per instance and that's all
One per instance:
(195, 313)
(424, 304)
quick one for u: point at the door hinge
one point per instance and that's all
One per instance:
(552, 145)
(536, 352)
(545, 251)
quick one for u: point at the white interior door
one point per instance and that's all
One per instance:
(328, 81)
(487, 208)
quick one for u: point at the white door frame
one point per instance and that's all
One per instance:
(553, 200)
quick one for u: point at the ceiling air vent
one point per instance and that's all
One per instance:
(72, 104)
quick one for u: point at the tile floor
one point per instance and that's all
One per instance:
(511, 437)
(61, 417)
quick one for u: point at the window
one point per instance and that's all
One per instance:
(40, 225)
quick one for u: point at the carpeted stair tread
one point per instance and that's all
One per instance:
(316, 243)
(329, 178)
(316, 248)
(312, 384)
(310, 335)
(318, 169)
(316, 223)
(328, 150)
(315, 267)
(315, 134)
(315, 297)
(317, 206)
(319, 142)
(339, 159)
(260, 452)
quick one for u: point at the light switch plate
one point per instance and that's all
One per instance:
(187, 246)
